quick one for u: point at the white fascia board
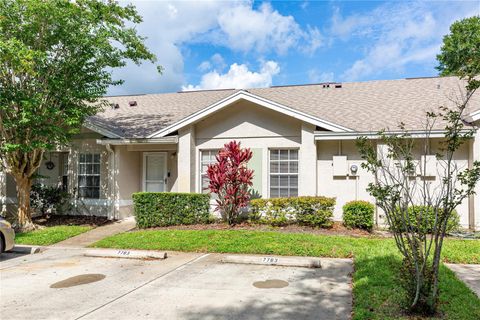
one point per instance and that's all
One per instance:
(319, 136)
(254, 99)
(473, 117)
(118, 142)
(100, 130)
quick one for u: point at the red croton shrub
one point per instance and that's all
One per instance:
(230, 179)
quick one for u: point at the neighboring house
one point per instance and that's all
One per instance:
(302, 138)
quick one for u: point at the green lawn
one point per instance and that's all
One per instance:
(49, 235)
(376, 291)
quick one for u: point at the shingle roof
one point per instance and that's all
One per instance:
(153, 111)
(360, 106)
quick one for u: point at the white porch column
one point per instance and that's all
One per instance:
(186, 159)
(3, 191)
(475, 204)
(307, 182)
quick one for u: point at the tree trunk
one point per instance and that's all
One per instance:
(24, 186)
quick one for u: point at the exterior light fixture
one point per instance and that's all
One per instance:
(354, 169)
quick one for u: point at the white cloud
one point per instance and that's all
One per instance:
(168, 26)
(319, 77)
(238, 77)
(204, 66)
(216, 62)
(236, 25)
(244, 28)
(397, 34)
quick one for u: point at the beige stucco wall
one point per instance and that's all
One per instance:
(85, 142)
(129, 175)
(129, 172)
(101, 206)
(352, 187)
(255, 127)
(343, 188)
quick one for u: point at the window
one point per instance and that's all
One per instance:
(283, 173)
(206, 157)
(89, 176)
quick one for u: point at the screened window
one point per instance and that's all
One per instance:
(89, 176)
(206, 157)
(283, 173)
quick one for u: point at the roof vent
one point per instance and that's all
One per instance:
(331, 84)
(115, 105)
(132, 103)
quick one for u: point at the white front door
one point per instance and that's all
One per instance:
(154, 171)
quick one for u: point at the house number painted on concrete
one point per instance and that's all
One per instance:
(123, 252)
(269, 260)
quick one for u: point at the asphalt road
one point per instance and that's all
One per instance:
(64, 284)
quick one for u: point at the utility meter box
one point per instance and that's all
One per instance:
(340, 166)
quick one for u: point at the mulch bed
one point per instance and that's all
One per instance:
(338, 229)
(57, 220)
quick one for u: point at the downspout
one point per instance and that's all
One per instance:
(111, 153)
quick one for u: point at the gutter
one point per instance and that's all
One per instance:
(416, 134)
(472, 117)
(121, 142)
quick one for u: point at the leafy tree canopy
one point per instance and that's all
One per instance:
(460, 52)
(56, 58)
(56, 62)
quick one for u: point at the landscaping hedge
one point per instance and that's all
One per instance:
(311, 211)
(453, 223)
(158, 209)
(358, 214)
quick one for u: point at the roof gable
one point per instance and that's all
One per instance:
(245, 95)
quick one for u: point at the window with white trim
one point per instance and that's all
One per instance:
(283, 176)
(89, 175)
(206, 157)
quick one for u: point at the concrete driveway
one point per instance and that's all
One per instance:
(56, 284)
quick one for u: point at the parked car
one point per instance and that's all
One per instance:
(7, 235)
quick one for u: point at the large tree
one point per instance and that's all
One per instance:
(56, 62)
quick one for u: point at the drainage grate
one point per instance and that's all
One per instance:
(270, 284)
(78, 280)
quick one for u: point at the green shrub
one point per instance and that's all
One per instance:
(428, 219)
(50, 199)
(158, 209)
(310, 211)
(358, 214)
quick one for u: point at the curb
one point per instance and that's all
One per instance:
(274, 261)
(125, 254)
(22, 249)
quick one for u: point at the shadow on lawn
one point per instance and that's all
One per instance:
(377, 289)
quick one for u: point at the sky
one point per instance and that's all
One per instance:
(246, 44)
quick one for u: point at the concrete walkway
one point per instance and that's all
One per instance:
(468, 273)
(97, 234)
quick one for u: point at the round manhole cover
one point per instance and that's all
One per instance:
(270, 284)
(78, 280)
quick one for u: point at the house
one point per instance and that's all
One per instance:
(302, 138)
